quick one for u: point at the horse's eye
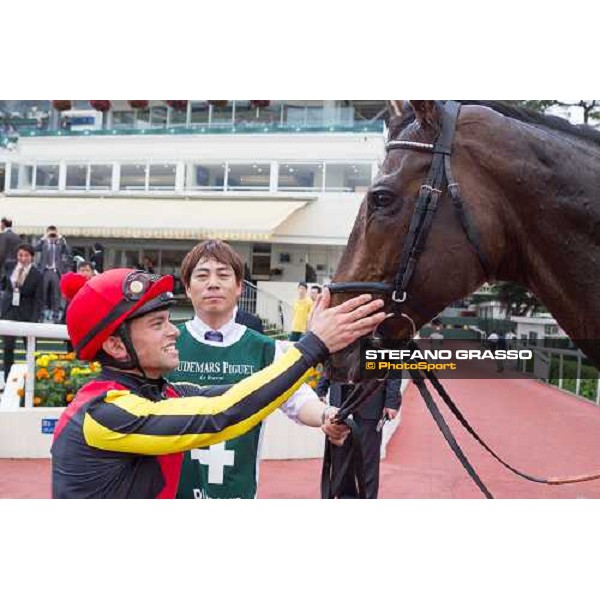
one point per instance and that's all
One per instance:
(381, 199)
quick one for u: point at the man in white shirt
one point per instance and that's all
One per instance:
(22, 298)
(214, 349)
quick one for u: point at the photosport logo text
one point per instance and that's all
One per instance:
(458, 359)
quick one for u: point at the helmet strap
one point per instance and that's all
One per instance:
(133, 362)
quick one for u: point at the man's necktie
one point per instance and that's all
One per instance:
(19, 279)
(213, 336)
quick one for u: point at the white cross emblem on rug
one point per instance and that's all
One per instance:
(217, 458)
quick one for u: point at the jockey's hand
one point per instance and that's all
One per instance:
(345, 323)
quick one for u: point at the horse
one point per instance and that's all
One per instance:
(515, 197)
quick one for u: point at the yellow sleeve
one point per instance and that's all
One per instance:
(125, 422)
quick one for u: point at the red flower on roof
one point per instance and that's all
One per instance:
(179, 105)
(61, 105)
(100, 105)
(138, 104)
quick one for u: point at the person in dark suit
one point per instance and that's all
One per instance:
(97, 258)
(22, 299)
(249, 320)
(9, 242)
(55, 260)
(369, 417)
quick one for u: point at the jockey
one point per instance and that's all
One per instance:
(124, 434)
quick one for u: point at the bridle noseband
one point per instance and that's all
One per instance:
(440, 173)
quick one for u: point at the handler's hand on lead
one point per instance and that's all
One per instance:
(336, 432)
(342, 325)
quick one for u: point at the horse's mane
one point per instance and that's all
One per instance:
(519, 113)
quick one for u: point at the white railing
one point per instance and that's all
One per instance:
(266, 306)
(31, 331)
(543, 367)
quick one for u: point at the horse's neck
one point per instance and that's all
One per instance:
(553, 229)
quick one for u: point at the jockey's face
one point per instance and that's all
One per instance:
(154, 337)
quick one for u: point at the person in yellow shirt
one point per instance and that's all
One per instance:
(302, 307)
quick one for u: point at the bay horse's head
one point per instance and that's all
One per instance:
(420, 241)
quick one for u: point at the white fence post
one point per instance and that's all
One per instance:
(30, 379)
(31, 331)
(560, 370)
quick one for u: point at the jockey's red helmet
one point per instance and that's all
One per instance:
(101, 304)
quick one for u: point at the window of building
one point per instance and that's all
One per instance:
(295, 115)
(162, 177)
(123, 119)
(199, 112)
(158, 116)
(347, 177)
(202, 176)
(129, 259)
(178, 117)
(170, 264)
(268, 114)
(46, 177)
(21, 177)
(300, 177)
(101, 177)
(254, 176)
(221, 115)
(247, 114)
(76, 177)
(133, 177)
(261, 261)
(244, 113)
(550, 329)
(142, 118)
(2, 176)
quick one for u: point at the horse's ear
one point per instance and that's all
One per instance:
(426, 111)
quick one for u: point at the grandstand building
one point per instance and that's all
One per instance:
(280, 180)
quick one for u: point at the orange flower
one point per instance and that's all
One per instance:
(70, 356)
(69, 397)
(20, 392)
(42, 374)
(37, 401)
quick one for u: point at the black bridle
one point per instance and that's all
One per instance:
(439, 175)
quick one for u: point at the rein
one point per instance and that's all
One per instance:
(439, 175)
(331, 481)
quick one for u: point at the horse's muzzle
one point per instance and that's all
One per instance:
(344, 366)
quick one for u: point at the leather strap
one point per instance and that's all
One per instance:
(352, 469)
(466, 223)
(446, 432)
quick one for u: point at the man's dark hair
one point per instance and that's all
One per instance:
(217, 250)
(6, 222)
(303, 284)
(27, 247)
(316, 287)
(85, 263)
